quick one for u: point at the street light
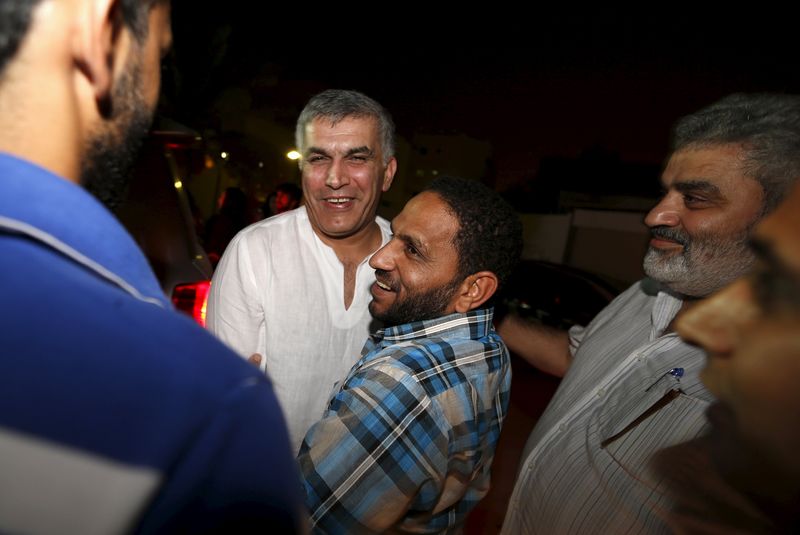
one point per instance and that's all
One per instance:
(293, 155)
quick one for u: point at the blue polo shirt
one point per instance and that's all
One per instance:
(118, 414)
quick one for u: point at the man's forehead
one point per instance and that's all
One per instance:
(427, 217)
(711, 164)
(350, 125)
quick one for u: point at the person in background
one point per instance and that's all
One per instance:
(226, 223)
(287, 196)
(295, 287)
(743, 475)
(631, 386)
(117, 414)
(407, 442)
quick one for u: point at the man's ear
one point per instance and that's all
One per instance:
(388, 174)
(475, 291)
(95, 49)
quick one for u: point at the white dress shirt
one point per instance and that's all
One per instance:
(279, 291)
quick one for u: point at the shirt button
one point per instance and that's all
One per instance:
(562, 427)
(601, 392)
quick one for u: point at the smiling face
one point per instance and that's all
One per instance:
(417, 270)
(344, 175)
(700, 227)
(751, 334)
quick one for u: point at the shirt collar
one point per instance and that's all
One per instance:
(474, 324)
(53, 210)
(665, 308)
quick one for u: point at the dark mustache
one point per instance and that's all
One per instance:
(383, 276)
(670, 233)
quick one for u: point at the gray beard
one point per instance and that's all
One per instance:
(703, 266)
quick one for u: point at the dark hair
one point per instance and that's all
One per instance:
(338, 104)
(15, 21)
(15, 18)
(234, 203)
(766, 125)
(135, 14)
(490, 233)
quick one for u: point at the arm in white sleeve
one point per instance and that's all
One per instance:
(234, 313)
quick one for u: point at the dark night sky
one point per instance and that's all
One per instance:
(534, 85)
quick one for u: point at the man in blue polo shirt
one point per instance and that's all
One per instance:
(116, 414)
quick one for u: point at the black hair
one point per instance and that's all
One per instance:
(490, 233)
(15, 18)
(16, 15)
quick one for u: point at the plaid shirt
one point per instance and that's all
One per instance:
(408, 440)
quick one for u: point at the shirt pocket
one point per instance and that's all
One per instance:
(624, 445)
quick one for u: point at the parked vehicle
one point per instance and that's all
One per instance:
(159, 215)
(554, 294)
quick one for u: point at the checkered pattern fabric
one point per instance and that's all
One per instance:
(408, 440)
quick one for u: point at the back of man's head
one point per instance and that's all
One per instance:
(334, 105)
(765, 125)
(489, 237)
(16, 17)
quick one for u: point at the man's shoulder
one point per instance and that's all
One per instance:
(630, 311)
(277, 225)
(641, 294)
(435, 362)
(98, 353)
(69, 309)
(385, 225)
(288, 233)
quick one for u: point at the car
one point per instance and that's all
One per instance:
(556, 295)
(158, 213)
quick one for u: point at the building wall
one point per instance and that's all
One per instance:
(608, 243)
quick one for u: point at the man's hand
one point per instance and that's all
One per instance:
(255, 359)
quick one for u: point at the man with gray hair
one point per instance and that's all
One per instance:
(630, 385)
(294, 288)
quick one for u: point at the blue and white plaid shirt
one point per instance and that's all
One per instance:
(408, 441)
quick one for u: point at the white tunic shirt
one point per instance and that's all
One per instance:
(279, 291)
(586, 466)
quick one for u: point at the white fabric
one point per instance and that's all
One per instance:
(279, 291)
(46, 487)
(567, 482)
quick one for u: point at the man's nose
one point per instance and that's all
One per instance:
(337, 177)
(716, 323)
(665, 213)
(383, 258)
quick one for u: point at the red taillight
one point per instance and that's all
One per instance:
(191, 299)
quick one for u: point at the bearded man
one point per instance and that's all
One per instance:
(407, 442)
(118, 414)
(630, 385)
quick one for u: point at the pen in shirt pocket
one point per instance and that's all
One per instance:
(662, 402)
(677, 373)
